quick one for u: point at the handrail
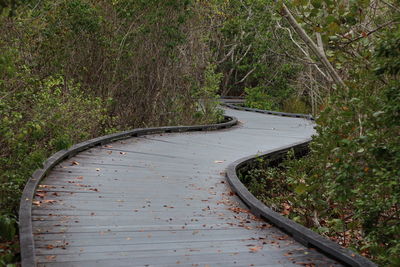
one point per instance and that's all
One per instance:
(27, 245)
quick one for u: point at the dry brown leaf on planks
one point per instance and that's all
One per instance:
(255, 249)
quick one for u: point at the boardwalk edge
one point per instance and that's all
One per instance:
(299, 232)
(27, 245)
(234, 105)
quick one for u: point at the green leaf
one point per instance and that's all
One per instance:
(300, 189)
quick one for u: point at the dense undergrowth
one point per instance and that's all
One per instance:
(348, 187)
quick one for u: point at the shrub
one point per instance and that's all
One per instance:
(256, 97)
(295, 105)
(37, 119)
(207, 95)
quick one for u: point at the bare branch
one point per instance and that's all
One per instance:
(245, 54)
(303, 51)
(228, 55)
(247, 75)
(310, 43)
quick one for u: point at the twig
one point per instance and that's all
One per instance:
(369, 33)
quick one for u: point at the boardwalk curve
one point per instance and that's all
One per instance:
(159, 199)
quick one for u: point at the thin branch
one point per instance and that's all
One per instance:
(227, 55)
(391, 5)
(370, 32)
(244, 55)
(302, 50)
(247, 75)
(310, 43)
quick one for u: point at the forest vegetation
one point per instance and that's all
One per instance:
(71, 70)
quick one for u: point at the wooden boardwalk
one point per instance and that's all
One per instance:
(163, 200)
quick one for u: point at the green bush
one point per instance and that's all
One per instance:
(295, 105)
(37, 119)
(256, 97)
(207, 110)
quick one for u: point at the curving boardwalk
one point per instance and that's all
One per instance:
(163, 200)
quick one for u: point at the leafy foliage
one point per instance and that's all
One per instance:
(257, 98)
(348, 186)
(39, 118)
(207, 108)
(251, 52)
(73, 70)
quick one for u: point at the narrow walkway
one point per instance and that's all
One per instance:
(163, 200)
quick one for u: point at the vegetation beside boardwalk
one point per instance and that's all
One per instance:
(74, 70)
(348, 187)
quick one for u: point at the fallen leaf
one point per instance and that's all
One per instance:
(46, 186)
(255, 249)
(52, 257)
(41, 195)
(49, 201)
(74, 163)
(283, 237)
